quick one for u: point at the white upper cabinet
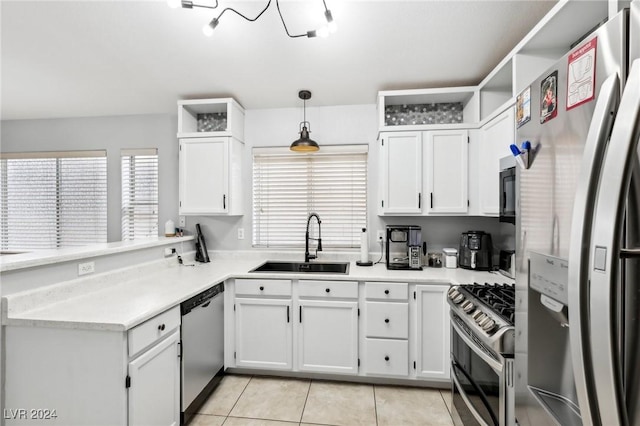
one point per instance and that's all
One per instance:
(445, 170)
(210, 117)
(401, 173)
(496, 136)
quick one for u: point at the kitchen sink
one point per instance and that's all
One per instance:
(298, 267)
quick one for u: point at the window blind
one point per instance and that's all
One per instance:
(53, 199)
(139, 193)
(288, 186)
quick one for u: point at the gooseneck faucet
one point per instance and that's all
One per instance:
(308, 256)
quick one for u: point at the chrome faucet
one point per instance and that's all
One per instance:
(308, 256)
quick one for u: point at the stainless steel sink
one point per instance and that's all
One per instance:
(299, 267)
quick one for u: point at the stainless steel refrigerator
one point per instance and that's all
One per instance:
(577, 349)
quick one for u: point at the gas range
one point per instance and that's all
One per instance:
(486, 313)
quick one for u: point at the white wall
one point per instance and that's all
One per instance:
(112, 134)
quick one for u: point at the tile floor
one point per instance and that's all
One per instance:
(270, 401)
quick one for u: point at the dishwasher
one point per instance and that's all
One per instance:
(202, 348)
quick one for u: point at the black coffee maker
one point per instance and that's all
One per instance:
(476, 251)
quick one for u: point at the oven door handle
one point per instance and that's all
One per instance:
(455, 366)
(497, 366)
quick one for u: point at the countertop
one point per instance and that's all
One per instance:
(120, 300)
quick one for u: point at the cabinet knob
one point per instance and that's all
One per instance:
(386, 292)
(386, 358)
(386, 320)
(328, 290)
(261, 288)
(161, 327)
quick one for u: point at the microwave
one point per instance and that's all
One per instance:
(508, 190)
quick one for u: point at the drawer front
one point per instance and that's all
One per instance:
(246, 287)
(387, 320)
(143, 335)
(328, 289)
(387, 357)
(386, 291)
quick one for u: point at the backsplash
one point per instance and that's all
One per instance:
(406, 115)
(212, 122)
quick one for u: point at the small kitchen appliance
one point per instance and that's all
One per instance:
(404, 245)
(476, 251)
(201, 247)
(450, 257)
(507, 263)
(507, 190)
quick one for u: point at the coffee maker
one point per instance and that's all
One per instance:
(404, 243)
(476, 251)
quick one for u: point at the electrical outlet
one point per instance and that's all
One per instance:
(86, 268)
(241, 233)
(169, 251)
(182, 221)
(380, 235)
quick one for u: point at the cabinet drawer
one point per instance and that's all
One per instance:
(143, 335)
(386, 291)
(387, 320)
(246, 287)
(329, 289)
(387, 357)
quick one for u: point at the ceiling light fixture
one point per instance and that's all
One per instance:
(304, 143)
(208, 28)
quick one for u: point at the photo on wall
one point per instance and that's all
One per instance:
(549, 97)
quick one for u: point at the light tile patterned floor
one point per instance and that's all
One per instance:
(270, 401)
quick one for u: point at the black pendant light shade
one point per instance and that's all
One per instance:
(304, 143)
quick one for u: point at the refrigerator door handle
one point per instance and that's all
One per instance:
(583, 210)
(605, 248)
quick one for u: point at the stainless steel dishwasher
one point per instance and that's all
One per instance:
(202, 348)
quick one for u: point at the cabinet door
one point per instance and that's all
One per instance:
(446, 171)
(401, 173)
(328, 336)
(496, 137)
(263, 333)
(433, 329)
(154, 395)
(204, 175)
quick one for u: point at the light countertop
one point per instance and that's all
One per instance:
(122, 299)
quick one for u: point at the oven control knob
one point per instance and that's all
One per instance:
(467, 306)
(482, 319)
(489, 325)
(477, 314)
(457, 299)
(452, 292)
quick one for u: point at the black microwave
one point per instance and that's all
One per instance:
(507, 190)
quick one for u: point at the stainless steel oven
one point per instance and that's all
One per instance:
(482, 356)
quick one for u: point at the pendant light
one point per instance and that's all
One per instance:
(304, 144)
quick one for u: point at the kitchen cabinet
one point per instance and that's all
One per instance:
(328, 327)
(263, 324)
(445, 165)
(496, 136)
(210, 176)
(401, 173)
(432, 332)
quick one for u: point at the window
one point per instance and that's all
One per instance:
(53, 199)
(287, 186)
(139, 193)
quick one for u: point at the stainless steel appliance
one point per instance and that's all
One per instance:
(404, 246)
(578, 229)
(482, 346)
(507, 263)
(508, 190)
(202, 348)
(476, 251)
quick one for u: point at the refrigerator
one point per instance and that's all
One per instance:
(577, 349)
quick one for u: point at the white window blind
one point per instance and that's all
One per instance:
(287, 186)
(139, 193)
(53, 199)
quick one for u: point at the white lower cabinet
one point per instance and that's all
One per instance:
(432, 332)
(387, 357)
(263, 333)
(328, 336)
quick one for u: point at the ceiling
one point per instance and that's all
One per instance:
(95, 58)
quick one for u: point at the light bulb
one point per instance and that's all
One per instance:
(323, 32)
(207, 30)
(333, 27)
(174, 4)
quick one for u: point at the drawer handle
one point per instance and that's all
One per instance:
(328, 290)
(386, 358)
(386, 320)
(386, 292)
(261, 288)
(161, 327)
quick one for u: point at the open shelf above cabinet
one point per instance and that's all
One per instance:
(210, 117)
(424, 109)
